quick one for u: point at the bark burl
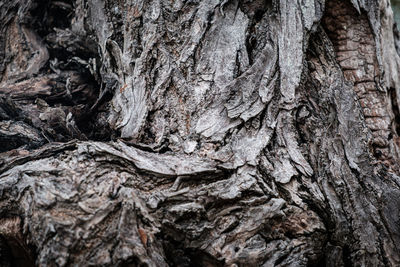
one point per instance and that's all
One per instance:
(199, 133)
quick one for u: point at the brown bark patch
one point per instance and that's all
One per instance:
(354, 44)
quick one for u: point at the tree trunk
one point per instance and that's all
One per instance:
(199, 133)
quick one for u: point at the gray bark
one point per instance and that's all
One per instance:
(199, 133)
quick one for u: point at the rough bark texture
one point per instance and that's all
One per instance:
(199, 133)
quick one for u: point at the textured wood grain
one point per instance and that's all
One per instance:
(199, 133)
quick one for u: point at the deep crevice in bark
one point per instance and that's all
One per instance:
(396, 112)
(14, 247)
(68, 89)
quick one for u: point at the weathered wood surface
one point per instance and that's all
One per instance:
(199, 133)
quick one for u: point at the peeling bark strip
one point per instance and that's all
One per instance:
(198, 133)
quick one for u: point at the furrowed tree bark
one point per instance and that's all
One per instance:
(199, 133)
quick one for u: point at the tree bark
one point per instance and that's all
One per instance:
(199, 133)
